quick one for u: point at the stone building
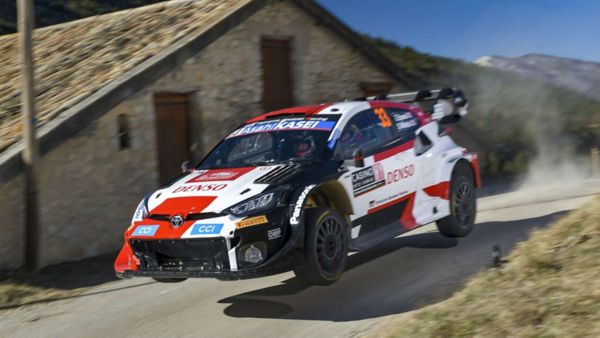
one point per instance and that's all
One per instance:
(124, 98)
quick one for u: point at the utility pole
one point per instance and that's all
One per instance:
(595, 157)
(30, 153)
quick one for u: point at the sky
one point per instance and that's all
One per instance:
(470, 29)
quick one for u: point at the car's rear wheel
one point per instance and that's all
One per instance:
(168, 280)
(326, 247)
(463, 204)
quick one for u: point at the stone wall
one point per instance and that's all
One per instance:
(89, 188)
(225, 79)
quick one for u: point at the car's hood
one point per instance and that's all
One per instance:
(212, 190)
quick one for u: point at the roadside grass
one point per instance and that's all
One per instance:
(14, 293)
(54, 282)
(550, 287)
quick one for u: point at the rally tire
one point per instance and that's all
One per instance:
(463, 204)
(326, 247)
(168, 280)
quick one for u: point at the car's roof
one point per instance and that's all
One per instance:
(346, 109)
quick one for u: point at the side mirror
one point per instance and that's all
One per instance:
(186, 167)
(359, 158)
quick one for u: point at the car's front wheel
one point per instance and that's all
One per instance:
(326, 247)
(463, 204)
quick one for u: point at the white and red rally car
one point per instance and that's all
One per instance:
(299, 188)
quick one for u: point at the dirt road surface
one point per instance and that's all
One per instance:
(400, 275)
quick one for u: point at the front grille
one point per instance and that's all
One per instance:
(204, 215)
(207, 254)
(160, 217)
(190, 217)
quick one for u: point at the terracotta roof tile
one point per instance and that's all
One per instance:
(76, 59)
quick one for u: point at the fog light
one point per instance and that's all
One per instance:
(253, 255)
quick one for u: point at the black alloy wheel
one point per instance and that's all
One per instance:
(326, 247)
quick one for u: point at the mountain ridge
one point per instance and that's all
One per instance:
(578, 75)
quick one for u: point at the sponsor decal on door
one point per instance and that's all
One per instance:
(367, 179)
(400, 173)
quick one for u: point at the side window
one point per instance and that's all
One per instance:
(422, 144)
(368, 131)
(406, 124)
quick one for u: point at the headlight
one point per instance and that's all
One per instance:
(141, 211)
(255, 204)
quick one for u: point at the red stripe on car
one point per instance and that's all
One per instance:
(475, 165)
(393, 151)
(304, 110)
(441, 190)
(183, 205)
(407, 219)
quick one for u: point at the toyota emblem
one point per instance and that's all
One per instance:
(176, 221)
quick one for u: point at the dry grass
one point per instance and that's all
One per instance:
(55, 282)
(549, 288)
(14, 293)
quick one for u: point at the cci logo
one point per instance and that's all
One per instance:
(145, 230)
(206, 229)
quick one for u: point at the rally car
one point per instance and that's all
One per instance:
(298, 188)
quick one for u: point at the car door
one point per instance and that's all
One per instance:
(373, 133)
(402, 177)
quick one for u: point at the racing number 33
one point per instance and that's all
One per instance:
(383, 117)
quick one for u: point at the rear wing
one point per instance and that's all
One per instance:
(446, 105)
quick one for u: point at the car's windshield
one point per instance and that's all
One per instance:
(273, 141)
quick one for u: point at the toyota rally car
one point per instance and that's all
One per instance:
(298, 188)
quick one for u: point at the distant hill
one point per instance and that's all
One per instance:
(577, 75)
(519, 117)
(50, 12)
(522, 118)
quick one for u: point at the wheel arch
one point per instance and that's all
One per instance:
(332, 194)
(460, 163)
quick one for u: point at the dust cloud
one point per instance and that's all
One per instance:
(536, 119)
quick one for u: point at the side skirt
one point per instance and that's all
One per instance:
(372, 238)
(373, 228)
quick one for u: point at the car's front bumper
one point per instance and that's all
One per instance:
(217, 257)
(280, 265)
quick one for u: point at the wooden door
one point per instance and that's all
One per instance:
(277, 74)
(172, 134)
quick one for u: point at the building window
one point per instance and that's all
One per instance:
(124, 142)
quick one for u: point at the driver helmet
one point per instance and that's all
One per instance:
(303, 148)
